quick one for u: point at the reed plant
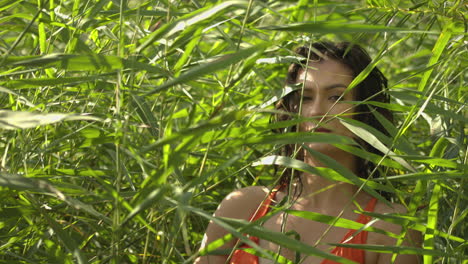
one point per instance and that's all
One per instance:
(124, 123)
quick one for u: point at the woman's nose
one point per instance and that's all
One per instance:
(316, 108)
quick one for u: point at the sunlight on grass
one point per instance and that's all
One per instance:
(125, 124)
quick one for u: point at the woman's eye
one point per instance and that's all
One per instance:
(307, 98)
(335, 98)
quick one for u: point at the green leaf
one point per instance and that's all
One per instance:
(425, 176)
(432, 161)
(67, 240)
(210, 67)
(296, 137)
(338, 222)
(377, 159)
(332, 27)
(18, 182)
(193, 18)
(282, 240)
(22, 120)
(376, 143)
(40, 82)
(413, 223)
(345, 172)
(222, 222)
(21, 99)
(154, 197)
(436, 53)
(199, 129)
(432, 216)
(144, 112)
(327, 173)
(418, 99)
(89, 62)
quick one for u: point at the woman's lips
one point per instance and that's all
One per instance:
(322, 130)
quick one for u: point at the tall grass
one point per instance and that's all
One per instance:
(124, 123)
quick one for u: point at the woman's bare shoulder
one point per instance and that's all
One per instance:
(239, 204)
(392, 208)
(242, 203)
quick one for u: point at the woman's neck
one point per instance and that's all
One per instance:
(319, 192)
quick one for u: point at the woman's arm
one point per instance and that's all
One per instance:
(240, 204)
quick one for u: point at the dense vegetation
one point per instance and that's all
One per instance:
(124, 123)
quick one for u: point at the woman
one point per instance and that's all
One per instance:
(323, 78)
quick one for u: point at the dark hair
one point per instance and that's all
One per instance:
(372, 87)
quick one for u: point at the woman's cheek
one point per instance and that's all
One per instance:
(305, 127)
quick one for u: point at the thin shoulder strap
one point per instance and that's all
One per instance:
(364, 219)
(361, 237)
(265, 206)
(371, 205)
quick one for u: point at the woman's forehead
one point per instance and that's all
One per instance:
(330, 66)
(325, 71)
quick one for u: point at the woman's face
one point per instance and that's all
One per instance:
(324, 84)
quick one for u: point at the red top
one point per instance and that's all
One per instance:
(357, 255)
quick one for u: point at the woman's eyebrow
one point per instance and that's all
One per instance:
(330, 86)
(335, 85)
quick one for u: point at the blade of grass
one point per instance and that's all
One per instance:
(345, 172)
(210, 67)
(322, 171)
(376, 143)
(431, 222)
(338, 222)
(195, 17)
(23, 120)
(333, 27)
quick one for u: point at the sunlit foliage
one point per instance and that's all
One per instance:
(124, 123)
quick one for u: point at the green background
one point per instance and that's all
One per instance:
(124, 123)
